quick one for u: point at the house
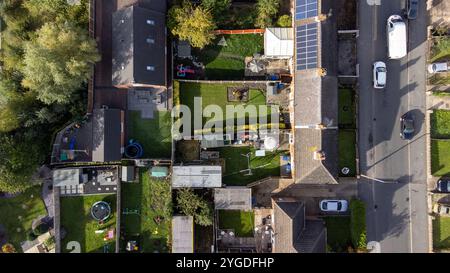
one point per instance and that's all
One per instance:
(86, 180)
(197, 176)
(233, 198)
(279, 43)
(315, 99)
(182, 234)
(139, 50)
(108, 135)
(293, 232)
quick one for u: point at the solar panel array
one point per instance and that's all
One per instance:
(307, 46)
(306, 9)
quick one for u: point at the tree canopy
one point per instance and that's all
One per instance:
(193, 205)
(193, 24)
(266, 10)
(58, 61)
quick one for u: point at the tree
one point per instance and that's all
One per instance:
(193, 205)
(21, 155)
(194, 24)
(219, 8)
(266, 10)
(284, 21)
(58, 61)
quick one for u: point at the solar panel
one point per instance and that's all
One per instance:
(306, 9)
(306, 46)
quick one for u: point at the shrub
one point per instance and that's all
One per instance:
(358, 224)
(31, 236)
(284, 21)
(40, 229)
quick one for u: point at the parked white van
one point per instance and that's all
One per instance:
(396, 32)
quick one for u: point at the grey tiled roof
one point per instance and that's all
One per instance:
(138, 41)
(316, 102)
(295, 234)
(107, 133)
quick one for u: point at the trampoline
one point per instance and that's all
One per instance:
(134, 150)
(100, 211)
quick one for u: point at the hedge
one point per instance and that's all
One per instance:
(358, 224)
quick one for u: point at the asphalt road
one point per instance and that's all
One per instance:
(396, 212)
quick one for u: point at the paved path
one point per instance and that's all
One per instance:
(47, 196)
(438, 102)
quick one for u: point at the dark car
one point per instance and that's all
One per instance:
(406, 126)
(443, 185)
(412, 8)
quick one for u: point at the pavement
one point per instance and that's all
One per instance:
(397, 213)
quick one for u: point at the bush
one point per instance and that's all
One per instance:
(358, 224)
(284, 21)
(40, 229)
(31, 236)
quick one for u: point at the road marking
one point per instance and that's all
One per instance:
(409, 147)
(375, 23)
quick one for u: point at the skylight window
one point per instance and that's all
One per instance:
(150, 22)
(150, 68)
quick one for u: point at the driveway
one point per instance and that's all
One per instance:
(311, 195)
(397, 212)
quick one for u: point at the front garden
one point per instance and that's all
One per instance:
(440, 142)
(347, 131)
(441, 233)
(147, 213)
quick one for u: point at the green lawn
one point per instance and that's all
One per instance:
(152, 198)
(216, 94)
(440, 157)
(441, 233)
(438, 79)
(17, 214)
(441, 50)
(77, 221)
(338, 233)
(153, 134)
(235, 163)
(241, 221)
(440, 124)
(347, 151)
(227, 62)
(346, 114)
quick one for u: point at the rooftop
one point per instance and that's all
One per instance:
(233, 198)
(316, 105)
(197, 176)
(182, 234)
(138, 47)
(88, 180)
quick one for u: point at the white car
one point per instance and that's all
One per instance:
(334, 205)
(379, 75)
(437, 67)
